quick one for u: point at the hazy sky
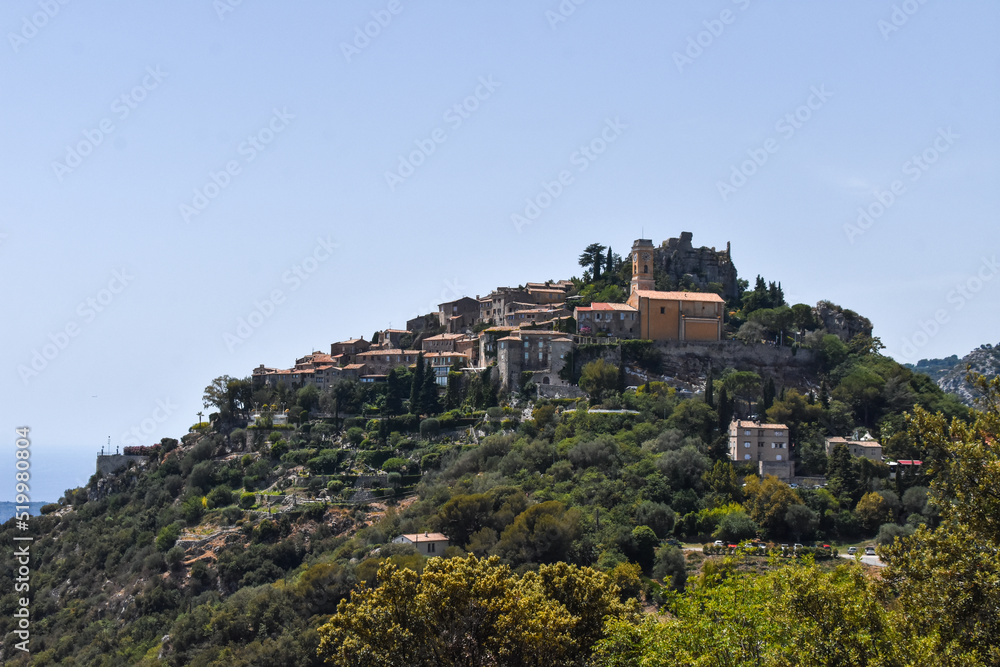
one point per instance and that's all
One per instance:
(191, 189)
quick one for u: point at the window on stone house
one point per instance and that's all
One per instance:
(663, 310)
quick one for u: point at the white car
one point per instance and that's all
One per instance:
(869, 551)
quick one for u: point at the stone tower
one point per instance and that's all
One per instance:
(642, 265)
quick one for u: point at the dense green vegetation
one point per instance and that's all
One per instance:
(600, 491)
(271, 543)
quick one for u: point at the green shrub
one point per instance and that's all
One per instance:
(355, 435)
(174, 557)
(429, 427)
(279, 449)
(395, 464)
(326, 463)
(192, 509)
(248, 500)
(375, 457)
(298, 457)
(220, 496)
(168, 536)
(266, 531)
(430, 461)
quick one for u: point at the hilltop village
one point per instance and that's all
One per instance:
(535, 338)
(527, 333)
(567, 437)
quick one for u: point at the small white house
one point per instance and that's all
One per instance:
(427, 544)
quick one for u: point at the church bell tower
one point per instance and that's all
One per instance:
(642, 265)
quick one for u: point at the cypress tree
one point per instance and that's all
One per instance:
(710, 389)
(394, 392)
(429, 403)
(767, 400)
(417, 386)
(725, 410)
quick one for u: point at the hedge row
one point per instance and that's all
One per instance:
(787, 552)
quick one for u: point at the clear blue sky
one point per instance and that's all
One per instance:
(115, 113)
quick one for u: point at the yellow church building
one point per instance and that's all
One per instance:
(681, 316)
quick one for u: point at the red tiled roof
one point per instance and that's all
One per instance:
(609, 306)
(445, 336)
(386, 352)
(679, 296)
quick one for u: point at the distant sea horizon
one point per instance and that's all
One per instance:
(8, 509)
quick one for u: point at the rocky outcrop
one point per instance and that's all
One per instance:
(680, 261)
(841, 322)
(984, 360)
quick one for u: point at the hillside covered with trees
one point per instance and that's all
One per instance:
(251, 546)
(609, 531)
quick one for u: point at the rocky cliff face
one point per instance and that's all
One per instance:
(984, 360)
(841, 322)
(678, 260)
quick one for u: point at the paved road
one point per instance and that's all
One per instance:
(867, 560)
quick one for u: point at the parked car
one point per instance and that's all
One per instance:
(719, 543)
(869, 551)
(852, 550)
(796, 546)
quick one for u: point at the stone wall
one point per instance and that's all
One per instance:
(560, 391)
(109, 463)
(783, 470)
(690, 361)
(686, 363)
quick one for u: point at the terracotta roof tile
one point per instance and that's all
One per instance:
(679, 296)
